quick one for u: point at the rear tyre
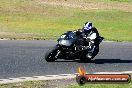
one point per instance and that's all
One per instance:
(95, 52)
(85, 59)
(50, 56)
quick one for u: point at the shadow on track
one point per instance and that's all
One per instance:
(99, 61)
(103, 61)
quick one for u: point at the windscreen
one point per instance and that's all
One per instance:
(70, 35)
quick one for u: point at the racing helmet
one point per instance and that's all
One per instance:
(87, 27)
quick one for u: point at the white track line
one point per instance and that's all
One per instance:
(123, 72)
(46, 77)
(53, 77)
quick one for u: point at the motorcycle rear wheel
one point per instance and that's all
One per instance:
(85, 59)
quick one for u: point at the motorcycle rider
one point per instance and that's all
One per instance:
(87, 30)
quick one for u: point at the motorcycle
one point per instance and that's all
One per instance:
(71, 47)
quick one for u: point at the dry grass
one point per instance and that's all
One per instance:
(88, 4)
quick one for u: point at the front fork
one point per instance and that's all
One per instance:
(58, 51)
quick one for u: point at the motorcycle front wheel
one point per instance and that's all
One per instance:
(50, 56)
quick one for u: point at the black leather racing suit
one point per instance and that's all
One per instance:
(87, 33)
(93, 30)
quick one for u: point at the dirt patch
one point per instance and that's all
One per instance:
(21, 36)
(83, 4)
(59, 83)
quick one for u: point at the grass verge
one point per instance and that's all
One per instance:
(63, 83)
(102, 86)
(27, 84)
(31, 19)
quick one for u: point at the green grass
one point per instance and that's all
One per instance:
(26, 19)
(44, 84)
(27, 84)
(102, 86)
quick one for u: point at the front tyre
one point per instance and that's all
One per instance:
(50, 56)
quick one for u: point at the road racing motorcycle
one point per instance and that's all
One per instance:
(70, 47)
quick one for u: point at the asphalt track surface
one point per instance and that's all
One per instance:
(19, 58)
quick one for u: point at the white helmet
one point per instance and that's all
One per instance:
(87, 26)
